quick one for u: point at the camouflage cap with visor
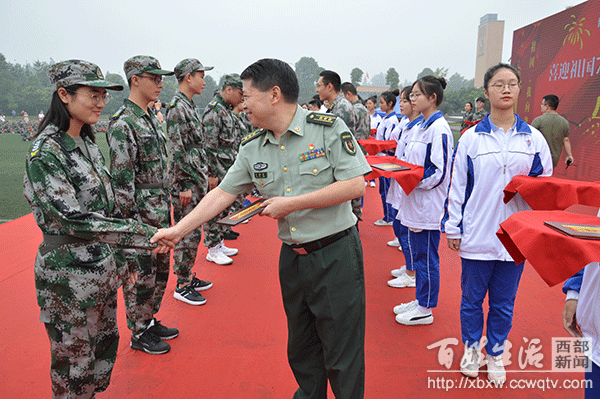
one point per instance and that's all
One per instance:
(233, 80)
(143, 64)
(189, 65)
(72, 72)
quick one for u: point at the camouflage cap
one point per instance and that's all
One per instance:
(72, 72)
(233, 80)
(189, 65)
(143, 64)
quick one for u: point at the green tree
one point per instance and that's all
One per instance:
(356, 76)
(425, 72)
(392, 79)
(378, 80)
(117, 96)
(307, 70)
(207, 95)
(440, 72)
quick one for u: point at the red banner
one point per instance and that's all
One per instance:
(561, 55)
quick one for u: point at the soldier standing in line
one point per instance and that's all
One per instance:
(138, 166)
(221, 150)
(188, 173)
(76, 276)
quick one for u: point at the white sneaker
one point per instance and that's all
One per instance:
(405, 307)
(404, 281)
(227, 251)
(217, 256)
(469, 364)
(496, 372)
(394, 242)
(415, 317)
(372, 183)
(382, 222)
(399, 272)
(366, 183)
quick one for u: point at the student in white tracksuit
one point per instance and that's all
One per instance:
(405, 275)
(487, 157)
(431, 147)
(387, 100)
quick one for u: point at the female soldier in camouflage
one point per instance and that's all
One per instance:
(76, 278)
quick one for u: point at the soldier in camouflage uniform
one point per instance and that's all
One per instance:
(481, 112)
(76, 276)
(222, 133)
(188, 173)
(329, 87)
(138, 166)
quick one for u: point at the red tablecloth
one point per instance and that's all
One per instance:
(550, 193)
(374, 147)
(408, 179)
(554, 255)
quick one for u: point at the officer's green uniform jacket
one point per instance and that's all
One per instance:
(221, 136)
(139, 155)
(71, 195)
(309, 156)
(186, 145)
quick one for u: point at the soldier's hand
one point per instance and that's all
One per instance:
(454, 244)
(212, 182)
(277, 207)
(133, 277)
(185, 197)
(165, 239)
(569, 318)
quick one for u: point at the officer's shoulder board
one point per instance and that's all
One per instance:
(321, 119)
(255, 134)
(118, 113)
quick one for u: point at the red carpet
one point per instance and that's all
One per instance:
(235, 345)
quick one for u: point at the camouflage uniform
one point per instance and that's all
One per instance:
(478, 115)
(342, 108)
(222, 132)
(188, 171)
(138, 166)
(362, 121)
(76, 276)
(244, 127)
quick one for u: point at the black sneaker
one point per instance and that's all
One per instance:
(199, 285)
(189, 295)
(149, 343)
(163, 332)
(230, 235)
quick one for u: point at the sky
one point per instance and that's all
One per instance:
(340, 35)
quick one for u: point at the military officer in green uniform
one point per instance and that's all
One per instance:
(138, 166)
(308, 166)
(76, 275)
(222, 135)
(187, 173)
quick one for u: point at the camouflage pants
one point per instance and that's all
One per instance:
(213, 232)
(83, 355)
(184, 255)
(357, 207)
(144, 297)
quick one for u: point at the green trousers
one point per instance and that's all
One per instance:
(324, 300)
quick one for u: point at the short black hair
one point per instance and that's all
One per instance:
(389, 97)
(349, 87)
(266, 73)
(552, 101)
(470, 103)
(480, 100)
(315, 103)
(333, 78)
(492, 71)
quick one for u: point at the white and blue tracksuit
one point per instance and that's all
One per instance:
(485, 161)
(430, 145)
(384, 131)
(396, 192)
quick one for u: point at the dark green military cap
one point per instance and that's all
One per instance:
(72, 72)
(233, 80)
(189, 65)
(143, 64)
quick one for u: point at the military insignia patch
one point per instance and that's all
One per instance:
(348, 143)
(260, 166)
(260, 175)
(321, 119)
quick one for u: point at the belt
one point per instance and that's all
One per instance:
(304, 249)
(53, 241)
(162, 184)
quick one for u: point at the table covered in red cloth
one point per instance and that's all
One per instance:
(374, 147)
(554, 255)
(408, 179)
(550, 193)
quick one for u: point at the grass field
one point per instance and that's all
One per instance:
(13, 152)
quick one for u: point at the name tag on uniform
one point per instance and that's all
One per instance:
(260, 175)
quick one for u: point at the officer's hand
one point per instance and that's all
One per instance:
(212, 182)
(277, 207)
(570, 319)
(185, 197)
(165, 239)
(454, 243)
(569, 160)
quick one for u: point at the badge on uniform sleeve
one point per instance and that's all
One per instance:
(348, 143)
